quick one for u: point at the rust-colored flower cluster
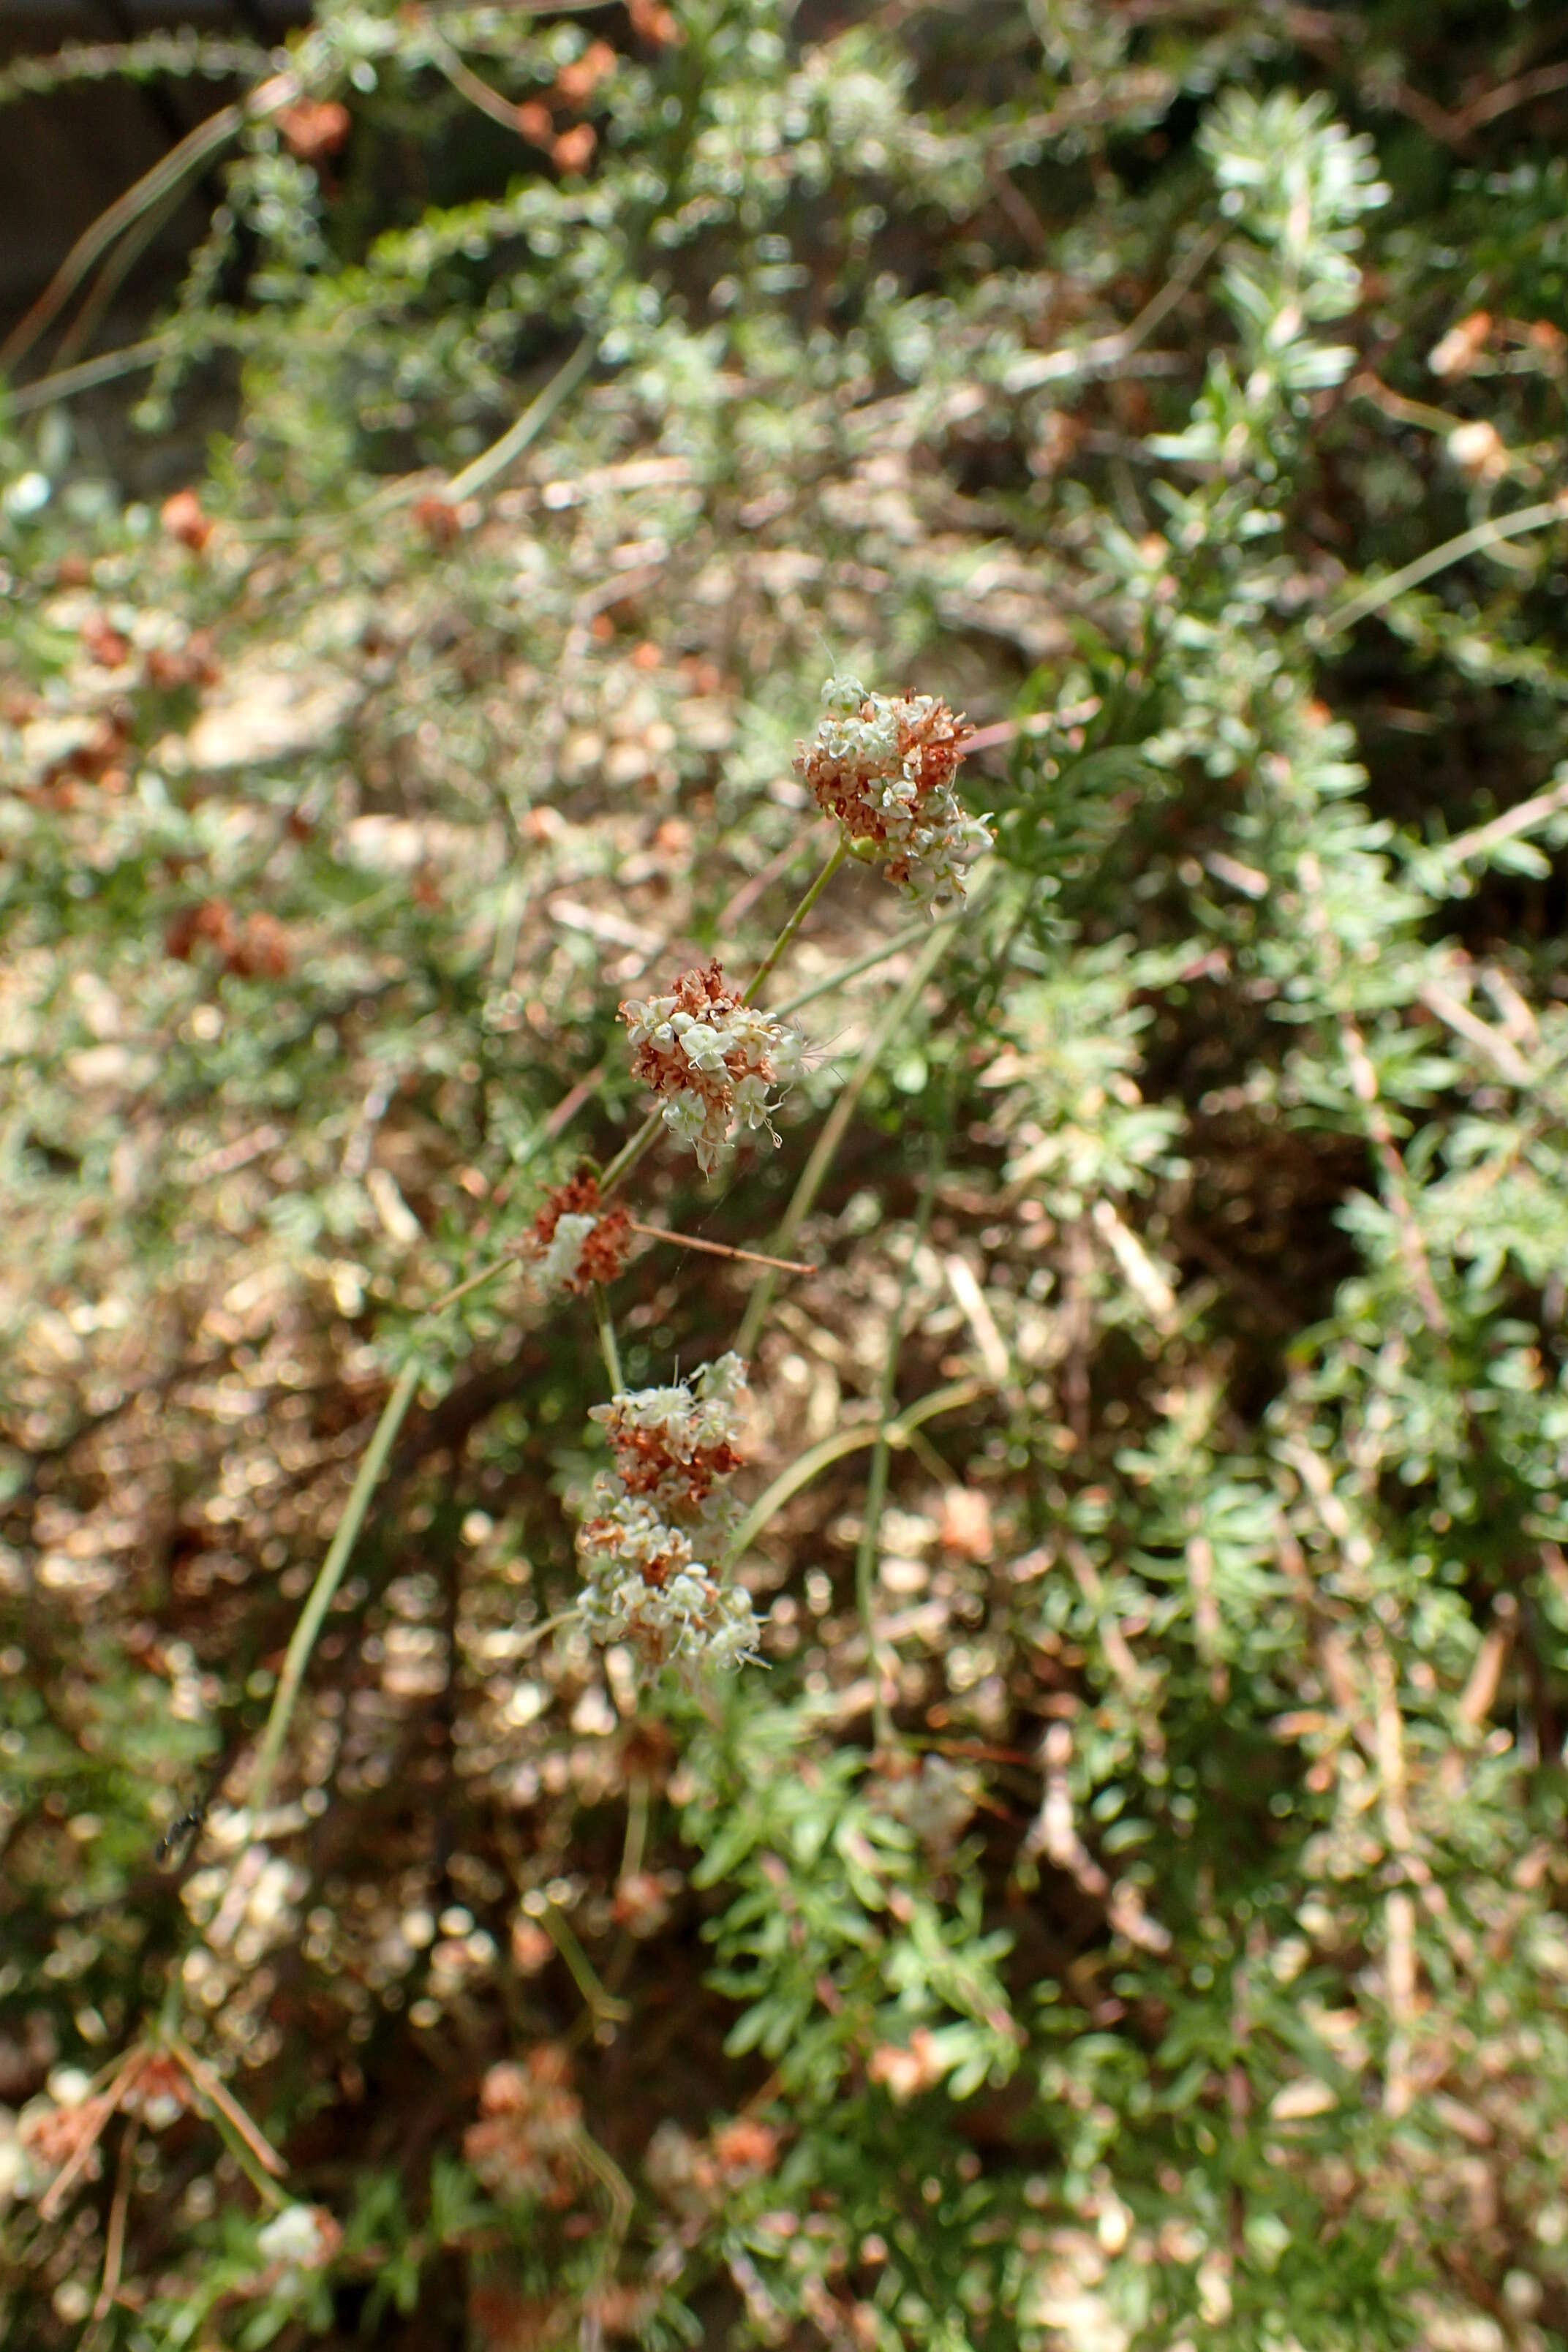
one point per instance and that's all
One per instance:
(574, 1239)
(527, 2143)
(255, 948)
(675, 1450)
(694, 2175)
(884, 765)
(711, 1058)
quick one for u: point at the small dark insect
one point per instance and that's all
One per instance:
(176, 1846)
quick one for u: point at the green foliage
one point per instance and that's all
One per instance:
(1126, 1908)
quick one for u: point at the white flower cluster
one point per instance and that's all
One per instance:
(300, 2237)
(563, 1257)
(575, 1240)
(675, 1449)
(712, 1057)
(884, 766)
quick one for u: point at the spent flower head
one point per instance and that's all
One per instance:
(712, 1058)
(653, 1516)
(575, 1240)
(884, 766)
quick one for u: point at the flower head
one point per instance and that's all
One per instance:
(299, 2238)
(576, 1242)
(527, 2140)
(884, 766)
(656, 1512)
(712, 1058)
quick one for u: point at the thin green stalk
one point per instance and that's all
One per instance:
(64, 384)
(312, 1616)
(1474, 541)
(606, 1330)
(795, 920)
(828, 1450)
(266, 2188)
(602, 2004)
(877, 1475)
(537, 1633)
(627, 1158)
(909, 937)
(636, 1826)
(823, 1153)
(178, 165)
(528, 425)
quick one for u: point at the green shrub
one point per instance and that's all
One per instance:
(1122, 1905)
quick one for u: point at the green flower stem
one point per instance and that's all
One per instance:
(794, 922)
(528, 425)
(821, 1456)
(823, 1153)
(608, 1348)
(1474, 541)
(266, 2188)
(312, 1616)
(627, 1158)
(636, 1826)
(64, 384)
(602, 2004)
(876, 1476)
(909, 937)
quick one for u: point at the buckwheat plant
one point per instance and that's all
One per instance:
(884, 765)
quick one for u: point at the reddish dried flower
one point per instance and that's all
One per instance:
(158, 2090)
(532, 1949)
(653, 22)
(642, 1906)
(527, 2141)
(644, 1581)
(262, 950)
(577, 1242)
(103, 643)
(257, 949)
(905, 2072)
(211, 923)
(666, 1450)
(964, 1524)
(314, 128)
(98, 761)
(573, 151)
(1459, 350)
(57, 2134)
(438, 519)
(575, 83)
(535, 121)
(744, 2145)
(170, 667)
(184, 519)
